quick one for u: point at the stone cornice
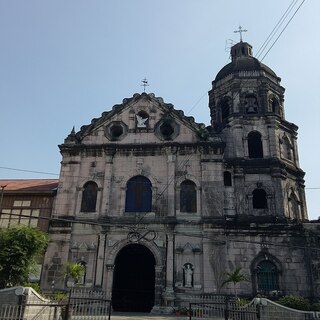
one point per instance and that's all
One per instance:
(146, 148)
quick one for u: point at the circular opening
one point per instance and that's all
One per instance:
(116, 131)
(166, 130)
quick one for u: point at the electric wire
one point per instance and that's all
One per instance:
(276, 28)
(83, 177)
(285, 27)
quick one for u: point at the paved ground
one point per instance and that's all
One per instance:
(145, 316)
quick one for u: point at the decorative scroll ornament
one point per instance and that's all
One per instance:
(136, 235)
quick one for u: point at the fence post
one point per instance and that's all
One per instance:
(67, 315)
(258, 308)
(226, 309)
(109, 311)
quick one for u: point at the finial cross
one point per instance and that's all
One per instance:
(144, 84)
(240, 31)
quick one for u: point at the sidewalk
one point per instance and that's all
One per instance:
(144, 316)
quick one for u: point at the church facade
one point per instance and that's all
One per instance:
(157, 207)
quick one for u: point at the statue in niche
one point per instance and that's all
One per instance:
(141, 122)
(188, 275)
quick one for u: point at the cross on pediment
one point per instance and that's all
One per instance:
(144, 84)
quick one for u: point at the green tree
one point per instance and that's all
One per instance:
(234, 277)
(75, 271)
(19, 249)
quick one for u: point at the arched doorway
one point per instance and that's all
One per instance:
(134, 279)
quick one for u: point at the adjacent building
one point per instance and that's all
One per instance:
(27, 202)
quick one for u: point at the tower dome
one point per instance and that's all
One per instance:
(245, 87)
(243, 61)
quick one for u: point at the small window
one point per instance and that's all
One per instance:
(255, 145)
(89, 197)
(294, 206)
(166, 130)
(227, 179)
(139, 195)
(274, 106)
(25, 203)
(267, 276)
(188, 197)
(259, 199)
(116, 131)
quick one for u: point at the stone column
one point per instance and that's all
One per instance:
(168, 295)
(100, 260)
(109, 279)
(171, 163)
(105, 207)
(158, 285)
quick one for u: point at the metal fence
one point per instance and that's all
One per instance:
(10, 312)
(275, 311)
(85, 304)
(223, 309)
(31, 311)
(80, 304)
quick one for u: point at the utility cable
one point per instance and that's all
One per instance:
(285, 27)
(195, 235)
(276, 28)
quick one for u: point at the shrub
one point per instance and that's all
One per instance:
(243, 302)
(315, 306)
(295, 302)
(34, 285)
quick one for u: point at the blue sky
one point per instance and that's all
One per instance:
(65, 62)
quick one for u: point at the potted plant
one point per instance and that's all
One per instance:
(74, 272)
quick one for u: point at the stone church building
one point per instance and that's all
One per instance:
(157, 207)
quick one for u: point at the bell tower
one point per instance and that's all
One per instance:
(246, 105)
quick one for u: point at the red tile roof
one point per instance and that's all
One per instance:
(29, 185)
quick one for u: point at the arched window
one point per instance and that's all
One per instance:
(227, 179)
(286, 148)
(255, 145)
(294, 206)
(274, 105)
(259, 199)
(89, 197)
(267, 276)
(139, 195)
(188, 196)
(225, 109)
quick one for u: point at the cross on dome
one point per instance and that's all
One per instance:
(240, 31)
